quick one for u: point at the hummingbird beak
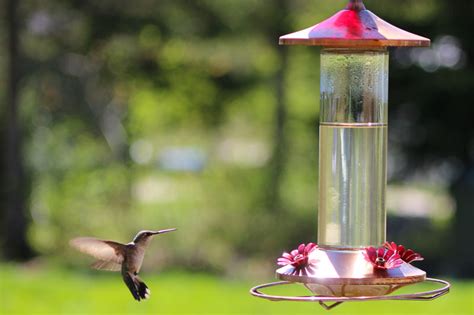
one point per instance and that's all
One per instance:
(164, 231)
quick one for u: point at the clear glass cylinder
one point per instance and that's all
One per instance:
(353, 148)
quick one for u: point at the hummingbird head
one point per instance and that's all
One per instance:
(146, 235)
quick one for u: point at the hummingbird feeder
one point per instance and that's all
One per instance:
(352, 261)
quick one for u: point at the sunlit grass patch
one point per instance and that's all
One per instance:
(26, 290)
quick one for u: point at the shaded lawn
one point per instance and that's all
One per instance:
(59, 291)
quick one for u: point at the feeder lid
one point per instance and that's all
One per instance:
(354, 27)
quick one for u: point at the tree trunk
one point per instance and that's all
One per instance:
(15, 246)
(277, 164)
(279, 152)
(462, 259)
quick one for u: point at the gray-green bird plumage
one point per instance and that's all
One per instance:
(127, 258)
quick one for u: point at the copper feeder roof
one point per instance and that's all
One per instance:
(354, 27)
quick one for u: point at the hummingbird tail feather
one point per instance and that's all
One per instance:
(137, 287)
(129, 281)
(143, 290)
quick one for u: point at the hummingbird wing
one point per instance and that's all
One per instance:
(110, 254)
(106, 265)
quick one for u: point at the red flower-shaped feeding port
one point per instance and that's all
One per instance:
(382, 258)
(298, 258)
(407, 255)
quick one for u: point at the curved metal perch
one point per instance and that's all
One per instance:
(336, 300)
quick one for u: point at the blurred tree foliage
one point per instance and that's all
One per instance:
(432, 123)
(109, 88)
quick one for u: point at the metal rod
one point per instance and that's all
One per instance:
(418, 296)
(329, 307)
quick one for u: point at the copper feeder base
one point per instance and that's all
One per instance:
(338, 276)
(347, 273)
(335, 300)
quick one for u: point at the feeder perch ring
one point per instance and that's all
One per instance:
(336, 300)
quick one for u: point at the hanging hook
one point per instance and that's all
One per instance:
(356, 5)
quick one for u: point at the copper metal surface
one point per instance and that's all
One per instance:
(335, 267)
(354, 27)
(418, 296)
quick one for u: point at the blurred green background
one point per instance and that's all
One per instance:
(119, 116)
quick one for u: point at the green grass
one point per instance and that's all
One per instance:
(29, 290)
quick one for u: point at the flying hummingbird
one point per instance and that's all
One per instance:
(127, 258)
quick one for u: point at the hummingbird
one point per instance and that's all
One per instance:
(126, 258)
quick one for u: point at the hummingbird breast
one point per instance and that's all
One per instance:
(134, 258)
